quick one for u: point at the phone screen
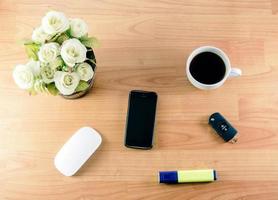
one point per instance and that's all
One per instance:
(140, 119)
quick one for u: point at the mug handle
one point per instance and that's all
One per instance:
(235, 72)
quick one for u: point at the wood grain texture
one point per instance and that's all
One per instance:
(144, 46)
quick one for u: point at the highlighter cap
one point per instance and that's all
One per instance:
(168, 177)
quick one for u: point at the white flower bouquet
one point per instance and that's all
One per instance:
(61, 56)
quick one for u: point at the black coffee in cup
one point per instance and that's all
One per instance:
(207, 68)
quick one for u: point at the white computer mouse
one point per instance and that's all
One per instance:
(77, 150)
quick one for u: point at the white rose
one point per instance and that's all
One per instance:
(78, 28)
(85, 71)
(23, 77)
(55, 22)
(73, 51)
(49, 52)
(66, 82)
(34, 66)
(39, 36)
(47, 74)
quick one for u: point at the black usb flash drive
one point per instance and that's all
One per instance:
(223, 128)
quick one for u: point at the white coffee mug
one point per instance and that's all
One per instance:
(230, 72)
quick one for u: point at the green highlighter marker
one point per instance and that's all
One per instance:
(187, 176)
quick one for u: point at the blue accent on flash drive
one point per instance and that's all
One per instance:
(168, 177)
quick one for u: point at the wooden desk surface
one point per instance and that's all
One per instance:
(144, 46)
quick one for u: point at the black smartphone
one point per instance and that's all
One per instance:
(140, 119)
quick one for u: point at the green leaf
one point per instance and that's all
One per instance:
(32, 50)
(90, 42)
(24, 42)
(63, 37)
(54, 37)
(93, 61)
(68, 32)
(39, 86)
(52, 89)
(83, 85)
(65, 68)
